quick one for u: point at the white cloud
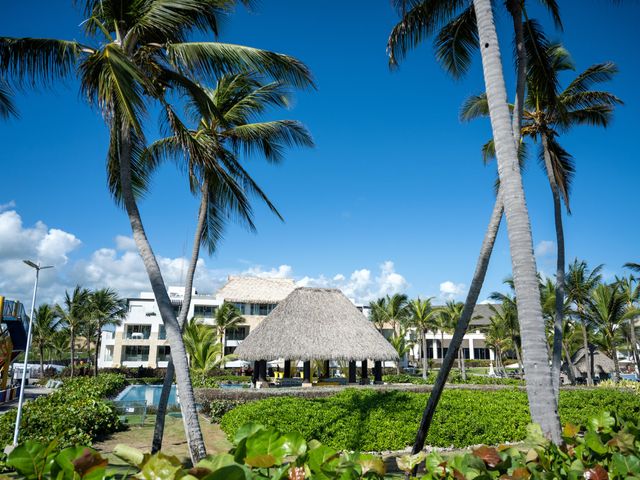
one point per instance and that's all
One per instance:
(452, 291)
(545, 248)
(119, 266)
(7, 206)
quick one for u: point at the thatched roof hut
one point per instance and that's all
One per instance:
(603, 365)
(315, 324)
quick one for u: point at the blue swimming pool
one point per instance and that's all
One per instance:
(147, 393)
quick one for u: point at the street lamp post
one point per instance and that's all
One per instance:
(26, 351)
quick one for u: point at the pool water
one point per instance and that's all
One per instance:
(147, 393)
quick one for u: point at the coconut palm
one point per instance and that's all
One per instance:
(395, 311)
(204, 351)
(448, 320)
(401, 345)
(546, 116)
(106, 309)
(422, 318)
(455, 42)
(59, 345)
(538, 378)
(140, 59)
(608, 311)
(580, 281)
(498, 338)
(74, 315)
(630, 289)
(45, 325)
(377, 314)
(227, 317)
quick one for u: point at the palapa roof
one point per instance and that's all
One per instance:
(256, 289)
(315, 324)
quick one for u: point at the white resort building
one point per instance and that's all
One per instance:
(141, 339)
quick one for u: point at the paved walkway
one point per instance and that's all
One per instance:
(31, 392)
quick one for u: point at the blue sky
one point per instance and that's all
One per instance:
(395, 186)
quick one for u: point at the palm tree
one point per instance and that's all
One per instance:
(401, 345)
(448, 320)
(630, 289)
(422, 318)
(107, 309)
(227, 317)
(211, 151)
(608, 311)
(140, 60)
(497, 337)
(377, 314)
(45, 325)
(545, 117)
(540, 390)
(204, 351)
(74, 314)
(395, 311)
(580, 281)
(456, 41)
(59, 344)
(508, 314)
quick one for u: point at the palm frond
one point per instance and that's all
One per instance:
(554, 10)
(456, 42)
(475, 106)
(7, 107)
(598, 73)
(542, 80)
(633, 266)
(420, 22)
(563, 167)
(33, 61)
(208, 59)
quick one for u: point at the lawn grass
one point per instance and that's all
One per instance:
(175, 443)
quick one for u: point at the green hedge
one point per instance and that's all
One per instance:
(454, 377)
(76, 414)
(377, 421)
(204, 380)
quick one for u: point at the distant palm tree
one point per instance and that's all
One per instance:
(580, 282)
(507, 313)
(498, 337)
(630, 289)
(45, 325)
(449, 318)
(377, 314)
(422, 318)
(74, 314)
(394, 311)
(107, 309)
(608, 311)
(401, 345)
(139, 60)
(227, 317)
(59, 346)
(204, 351)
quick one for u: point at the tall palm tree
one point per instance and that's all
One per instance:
(395, 311)
(227, 317)
(377, 314)
(608, 311)
(59, 345)
(45, 325)
(422, 318)
(140, 59)
(456, 41)
(507, 314)
(540, 390)
(210, 151)
(498, 338)
(630, 289)
(106, 309)
(546, 116)
(74, 314)
(580, 281)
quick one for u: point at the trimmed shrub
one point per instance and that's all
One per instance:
(76, 414)
(376, 421)
(454, 377)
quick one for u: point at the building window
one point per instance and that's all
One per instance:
(204, 311)
(136, 353)
(164, 353)
(162, 333)
(241, 308)
(387, 333)
(108, 353)
(481, 353)
(238, 333)
(138, 332)
(261, 308)
(229, 350)
(176, 309)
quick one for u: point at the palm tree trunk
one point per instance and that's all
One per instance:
(72, 349)
(97, 353)
(535, 349)
(424, 354)
(463, 373)
(42, 359)
(570, 369)
(587, 354)
(515, 9)
(556, 356)
(158, 431)
(190, 418)
(616, 364)
(634, 343)
(461, 327)
(441, 346)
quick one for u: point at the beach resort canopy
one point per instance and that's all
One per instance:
(316, 324)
